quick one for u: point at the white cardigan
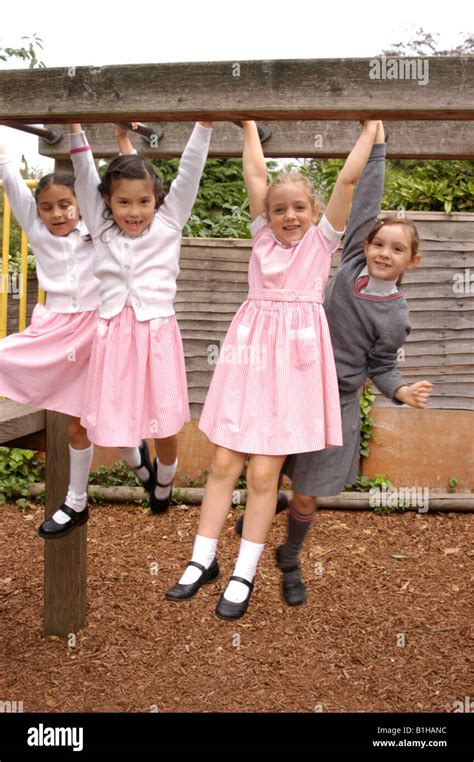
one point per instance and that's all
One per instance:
(64, 264)
(144, 267)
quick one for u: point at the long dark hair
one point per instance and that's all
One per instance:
(129, 167)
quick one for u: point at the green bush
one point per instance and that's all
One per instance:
(18, 469)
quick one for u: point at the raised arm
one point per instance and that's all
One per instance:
(255, 169)
(179, 202)
(19, 195)
(367, 200)
(122, 139)
(91, 203)
(337, 210)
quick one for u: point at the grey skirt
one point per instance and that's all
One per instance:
(325, 472)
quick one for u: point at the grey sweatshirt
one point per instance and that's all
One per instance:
(366, 332)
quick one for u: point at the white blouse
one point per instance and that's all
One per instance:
(64, 264)
(144, 268)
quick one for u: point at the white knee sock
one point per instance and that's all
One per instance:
(131, 456)
(76, 498)
(246, 566)
(164, 476)
(204, 552)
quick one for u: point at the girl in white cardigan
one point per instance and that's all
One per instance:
(136, 387)
(46, 364)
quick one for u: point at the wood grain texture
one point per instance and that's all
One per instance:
(65, 559)
(17, 420)
(350, 89)
(309, 139)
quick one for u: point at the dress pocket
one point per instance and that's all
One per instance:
(242, 332)
(304, 348)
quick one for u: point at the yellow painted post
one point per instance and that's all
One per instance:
(23, 282)
(41, 293)
(5, 260)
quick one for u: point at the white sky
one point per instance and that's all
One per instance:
(96, 33)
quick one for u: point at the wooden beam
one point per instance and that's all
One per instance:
(360, 88)
(36, 441)
(309, 139)
(17, 420)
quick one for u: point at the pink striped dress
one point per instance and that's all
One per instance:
(47, 363)
(274, 390)
(136, 385)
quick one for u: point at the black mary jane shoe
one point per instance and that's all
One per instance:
(50, 529)
(228, 609)
(282, 504)
(184, 592)
(293, 587)
(145, 461)
(159, 505)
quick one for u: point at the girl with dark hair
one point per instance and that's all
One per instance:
(369, 322)
(136, 386)
(46, 364)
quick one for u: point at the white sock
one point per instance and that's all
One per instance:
(131, 456)
(204, 552)
(164, 476)
(246, 567)
(76, 498)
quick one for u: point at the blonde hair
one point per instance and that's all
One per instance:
(293, 176)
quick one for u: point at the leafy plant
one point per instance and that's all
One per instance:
(384, 510)
(14, 263)
(452, 484)
(18, 469)
(435, 185)
(28, 54)
(367, 423)
(431, 185)
(366, 483)
(117, 475)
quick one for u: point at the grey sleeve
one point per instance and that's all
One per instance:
(382, 360)
(366, 203)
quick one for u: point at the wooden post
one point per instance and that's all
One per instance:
(64, 559)
(63, 164)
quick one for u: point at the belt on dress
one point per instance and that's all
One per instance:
(285, 295)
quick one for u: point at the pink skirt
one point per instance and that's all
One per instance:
(274, 390)
(136, 387)
(46, 364)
